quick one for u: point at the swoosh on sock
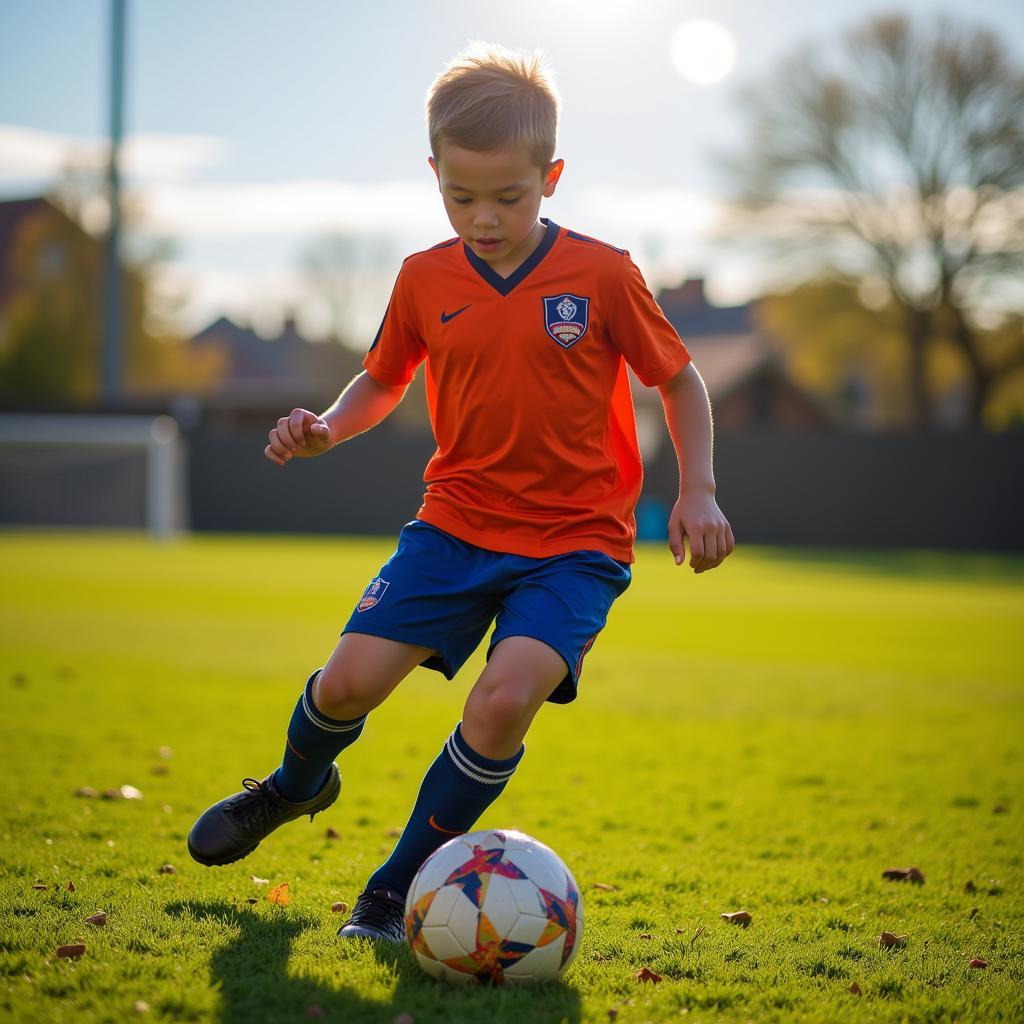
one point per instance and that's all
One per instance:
(447, 831)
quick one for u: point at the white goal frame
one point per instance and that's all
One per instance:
(157, 437)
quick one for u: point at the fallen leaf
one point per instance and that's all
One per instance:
(71, 886)
(404, 1018)
(974, 912)
(130, 793)
(394, 833)
(613, 1013)
(646, 974)
(140, 1006)
(280, 894)
(977, 962)
(259, 881)
(1000, 809)
(740, 917)
(888, 940)
(39, 887)
(111, 794)
(339, 908)
(99, 919)
(86, 791)
(697, 935)
(969, 886)
(167, 869)
(315, 1012)
(333, 833)
(251, 899)
(19, 679)
(71, 950)
(166, 753)
(646, 935)
(159, 769)
(904, 875)
(855, 988)
(604, 887)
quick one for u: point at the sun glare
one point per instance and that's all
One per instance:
(702, 51)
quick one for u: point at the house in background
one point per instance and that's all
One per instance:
(746, 379)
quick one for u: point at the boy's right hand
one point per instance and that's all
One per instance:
(302, 434)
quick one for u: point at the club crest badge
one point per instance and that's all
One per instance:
(372, 594)
(566, 318)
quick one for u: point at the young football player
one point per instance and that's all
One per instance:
(526, 330)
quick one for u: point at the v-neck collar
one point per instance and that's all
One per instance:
(504, 285)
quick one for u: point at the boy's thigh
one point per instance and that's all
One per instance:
(363, 670)
(435, 592)
(563, 602)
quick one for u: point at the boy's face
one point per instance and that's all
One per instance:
(492, 200)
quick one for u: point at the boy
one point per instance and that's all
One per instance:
(527, 521)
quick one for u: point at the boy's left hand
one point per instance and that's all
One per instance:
(697, 516)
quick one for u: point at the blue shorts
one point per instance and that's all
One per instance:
(438, 591)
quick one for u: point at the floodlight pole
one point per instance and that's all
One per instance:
(113, 307)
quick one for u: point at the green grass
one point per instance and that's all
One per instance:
(769, 737)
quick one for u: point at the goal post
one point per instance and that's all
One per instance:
(93, 470)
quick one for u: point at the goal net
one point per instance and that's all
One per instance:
(126, 471)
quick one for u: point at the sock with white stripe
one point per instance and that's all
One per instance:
(312, 743)
(458, 787)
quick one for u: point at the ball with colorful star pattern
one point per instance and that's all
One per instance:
(494, 906)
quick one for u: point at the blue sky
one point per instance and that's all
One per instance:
(259, 126)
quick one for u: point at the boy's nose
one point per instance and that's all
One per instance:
(485, 218)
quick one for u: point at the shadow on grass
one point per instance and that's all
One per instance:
(252, 976)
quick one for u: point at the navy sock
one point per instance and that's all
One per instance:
(458, 787)
(312, 743)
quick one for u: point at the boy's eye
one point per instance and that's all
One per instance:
(509, 202)
(461, 202)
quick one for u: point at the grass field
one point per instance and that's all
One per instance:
(768, 737)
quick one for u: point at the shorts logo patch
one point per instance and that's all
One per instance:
(566, 318)
(372, 594)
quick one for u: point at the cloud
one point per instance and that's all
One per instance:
(30, 153)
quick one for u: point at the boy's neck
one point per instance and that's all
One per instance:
(508, 266)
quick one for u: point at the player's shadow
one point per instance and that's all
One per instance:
(251, 974)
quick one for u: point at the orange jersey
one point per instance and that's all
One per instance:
(527, 389)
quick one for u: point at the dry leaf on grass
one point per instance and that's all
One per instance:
(140, 1006)
(251, 900)
(969, 886)
(315, 1012)
(855, 988)
(259, 881)
(130, 793)
(280, 895)
(646, 935)
(99, 919)
(39, 887)
(978, 962)
(1000, 809)
(404, 1018)
(71, 886)
(86, 791)
(740, 917)
(904, 875)
(167, 869)
(973, 913)
(166, 753)
(339, 908)
(71, 950)
(646, 974)
(333, 833)
(889, 940)
(604, 887)
(159, 769)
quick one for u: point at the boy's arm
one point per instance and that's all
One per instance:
(303, 434)
(696, 514)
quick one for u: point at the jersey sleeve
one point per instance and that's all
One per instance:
(640, 331)
(398, 348)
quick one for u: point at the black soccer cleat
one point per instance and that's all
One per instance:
(232, 828)
(377, 915)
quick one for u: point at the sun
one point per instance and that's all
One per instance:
(702, 51)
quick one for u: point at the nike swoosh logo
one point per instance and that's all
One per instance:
(445, 317)
(433, 824)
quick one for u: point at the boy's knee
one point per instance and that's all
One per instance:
(342, 692)
(501, 707)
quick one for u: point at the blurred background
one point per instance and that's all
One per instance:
(203, 208)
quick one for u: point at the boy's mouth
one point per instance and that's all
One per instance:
(487, 243)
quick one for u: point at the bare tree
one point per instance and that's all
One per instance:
(895, 159)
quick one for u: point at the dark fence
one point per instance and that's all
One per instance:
(893, 490)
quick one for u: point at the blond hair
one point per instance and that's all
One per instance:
(489, 97)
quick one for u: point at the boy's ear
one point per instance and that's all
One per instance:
(433, 167)
(551, 178)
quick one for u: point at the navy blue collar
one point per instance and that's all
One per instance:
(505, 284)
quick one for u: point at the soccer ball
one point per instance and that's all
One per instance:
(494, 906)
